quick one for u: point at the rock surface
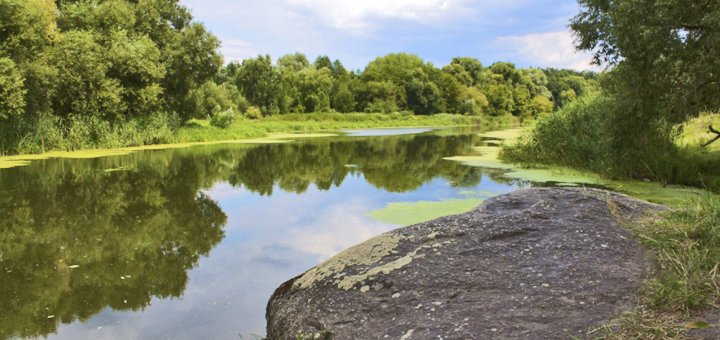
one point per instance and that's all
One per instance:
(536, 263)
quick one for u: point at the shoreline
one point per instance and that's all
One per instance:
(269, 130)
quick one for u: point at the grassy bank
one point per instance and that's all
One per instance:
(582, 136)
(47, 134)
(683, 298)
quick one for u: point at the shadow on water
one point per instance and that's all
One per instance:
(82, 236)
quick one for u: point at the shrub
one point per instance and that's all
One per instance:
(253, 112)
(577, 135)
(223, 119)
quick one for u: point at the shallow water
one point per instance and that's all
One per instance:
(190, 243)
(384, 132)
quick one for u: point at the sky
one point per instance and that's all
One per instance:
(529, 33)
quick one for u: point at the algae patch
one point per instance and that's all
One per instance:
(487, 157)
(23, 160)
(407, 213)
(505, 135)
(561, 176)
(6, 164)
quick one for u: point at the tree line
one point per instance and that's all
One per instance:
(402, 82)
(131, 71)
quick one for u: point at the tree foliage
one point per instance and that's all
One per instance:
(114, 64)
(663, 55)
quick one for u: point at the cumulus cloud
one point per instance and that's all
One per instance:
(553, 49)
(237, 49)
(357, 15)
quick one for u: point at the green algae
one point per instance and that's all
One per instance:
(407, 213)
(6, 164)
(670, 195)
(487, 157)
(23, 160)
(556, 175)
(505, 135)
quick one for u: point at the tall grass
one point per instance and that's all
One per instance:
(584, 135)
(674, 302)
(51, 133)
(576, 136)
(48, 132)
(687, 243)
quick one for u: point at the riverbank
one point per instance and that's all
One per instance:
(684, 293)
(274, 129)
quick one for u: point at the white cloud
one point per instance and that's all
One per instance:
(550, 49)
(356, 15)
(237, 49)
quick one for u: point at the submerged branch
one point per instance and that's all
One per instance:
(716, 132)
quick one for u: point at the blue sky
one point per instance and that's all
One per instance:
(526, 32)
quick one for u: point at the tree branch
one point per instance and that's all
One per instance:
(716, 132)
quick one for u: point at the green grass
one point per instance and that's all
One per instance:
(48, 133)
(686, 242)
(581, 136)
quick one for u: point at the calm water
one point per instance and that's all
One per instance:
(190, 243)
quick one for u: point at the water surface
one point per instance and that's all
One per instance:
(190, 243)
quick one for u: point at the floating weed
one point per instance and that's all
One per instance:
(407, 213)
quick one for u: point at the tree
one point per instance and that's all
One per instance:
(343, 99)
(293, 62)
(313, 89)
(468, 70)
(540, 106)
(12, 90)
(323, 61)
(663, 59)
(83, 87)
(259, 82)
(210, 99)
(193, 60)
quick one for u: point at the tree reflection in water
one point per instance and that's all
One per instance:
(76, 239)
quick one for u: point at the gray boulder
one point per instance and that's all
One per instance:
(536, 263)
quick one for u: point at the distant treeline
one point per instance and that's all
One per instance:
(88, 73)
(403, 82)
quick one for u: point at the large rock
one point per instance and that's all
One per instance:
(536, 263)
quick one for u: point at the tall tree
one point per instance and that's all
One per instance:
(663, 54)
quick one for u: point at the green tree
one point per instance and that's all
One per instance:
(293, 62)
(343, 98)
(662, 54)
(259, 82)
(210, 99)
(193, 60)
(323, 61)
(83, 87)
(12, 90)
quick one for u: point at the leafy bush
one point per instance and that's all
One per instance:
(578, 136)
(253, 112)
(223, 119)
